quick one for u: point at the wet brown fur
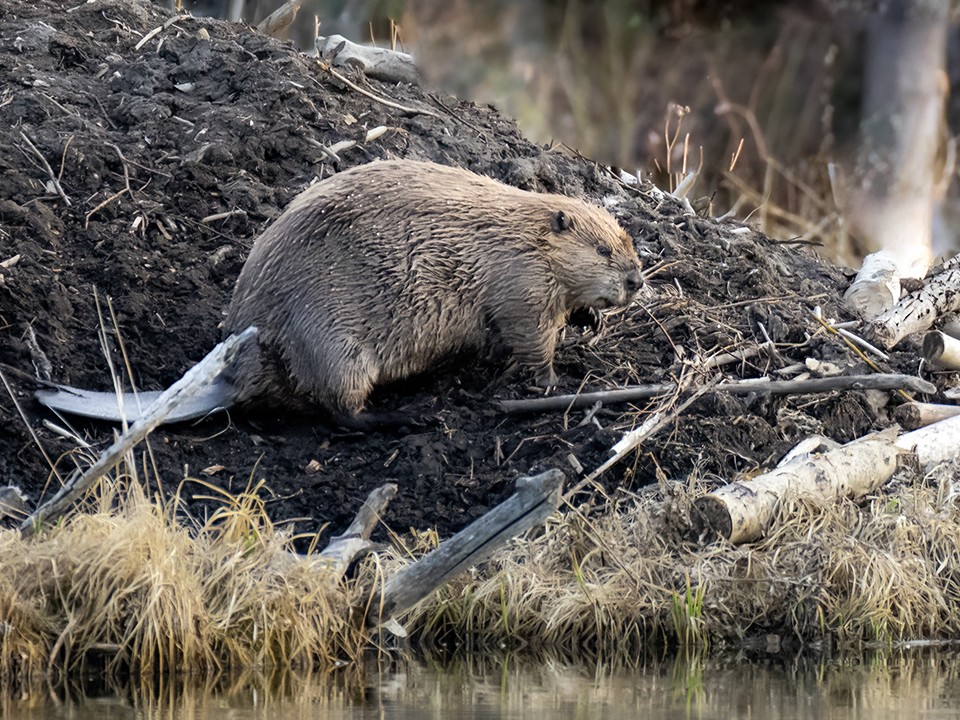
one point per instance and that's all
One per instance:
(381, 271)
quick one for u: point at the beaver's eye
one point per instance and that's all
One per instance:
(604, 251)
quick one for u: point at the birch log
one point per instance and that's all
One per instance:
(876, 287)
(934, 444)
(950, 325)
(918, 310)
(744, 511)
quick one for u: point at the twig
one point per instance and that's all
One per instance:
(383, 101)
(116, 195)
(222, 216)
(150, 35)
(856, 339)
(760, 386)
(650, 427)
(46, 165)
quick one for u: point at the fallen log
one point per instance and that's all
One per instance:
(941, 350)
(876, 287)
(760, 386)
(379, 63)
(535, 499)
(913, 415)
(918, 310)
(193, 381)
(744, 511)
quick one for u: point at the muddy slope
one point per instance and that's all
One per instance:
(172, 152)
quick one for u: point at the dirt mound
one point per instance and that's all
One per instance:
(141, 165)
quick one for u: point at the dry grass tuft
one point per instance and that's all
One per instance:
(135, 585)
(632, 578)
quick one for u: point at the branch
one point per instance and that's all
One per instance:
(760, 386)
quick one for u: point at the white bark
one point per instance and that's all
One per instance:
(744, 511)
(919, 310)
(933, 444)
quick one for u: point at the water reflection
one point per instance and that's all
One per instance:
(902, 684)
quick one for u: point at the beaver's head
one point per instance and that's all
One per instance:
(593, 257)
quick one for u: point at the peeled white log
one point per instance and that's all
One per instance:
(918, 310)
(942, 350)
(876, 287)
(913, 415)
(379, 63)
(744, 511)
(950, 325)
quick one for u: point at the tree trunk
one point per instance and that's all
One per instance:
(901, 129)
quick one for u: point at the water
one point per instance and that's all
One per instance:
(907, 684)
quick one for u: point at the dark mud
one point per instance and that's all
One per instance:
(205, 119)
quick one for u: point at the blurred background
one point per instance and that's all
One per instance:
(827, 122)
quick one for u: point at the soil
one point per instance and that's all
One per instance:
(174, 150)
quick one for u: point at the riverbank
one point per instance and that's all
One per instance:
(132, 585)
(174, 148)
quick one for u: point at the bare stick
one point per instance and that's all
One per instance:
(355, 542)
(761, 386)
(535, 499)
(280, 19)
(632, 439)
(46, 165)
(115, 196)
(857, 340)
(196, 378)
(223, 216)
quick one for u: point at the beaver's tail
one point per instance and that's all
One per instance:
(112, 407)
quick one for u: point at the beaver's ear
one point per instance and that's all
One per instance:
(560, 221)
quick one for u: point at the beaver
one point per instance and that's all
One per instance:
(381, 271)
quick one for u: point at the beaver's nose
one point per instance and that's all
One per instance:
(634, 280)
